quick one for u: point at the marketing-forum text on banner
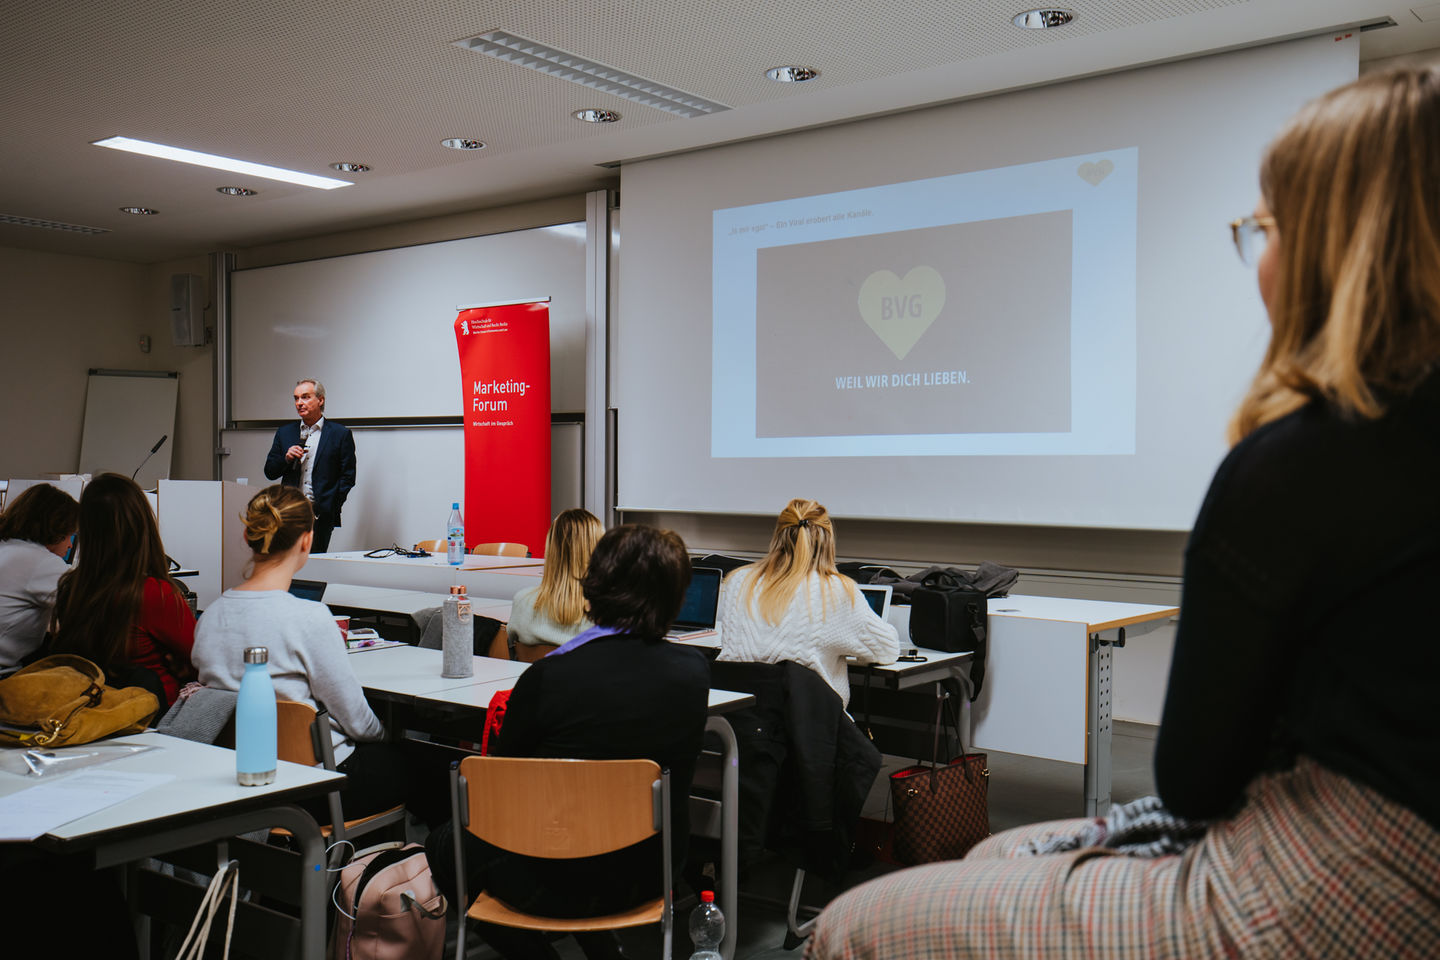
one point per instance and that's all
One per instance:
(505, 378)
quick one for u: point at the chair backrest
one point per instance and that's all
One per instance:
(295, 732)
(530, 652)
(432, 546)
(501, 549)
(500, 645)
(561, 809)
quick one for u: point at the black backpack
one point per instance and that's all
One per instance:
(948, 614)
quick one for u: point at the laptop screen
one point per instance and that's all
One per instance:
(878, 596)
(702, 599)
(307, 589)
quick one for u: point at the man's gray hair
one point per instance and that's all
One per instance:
(319, 387)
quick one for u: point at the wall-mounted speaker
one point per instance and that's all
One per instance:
(187, 310)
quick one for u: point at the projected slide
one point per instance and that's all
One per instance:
(990, 312)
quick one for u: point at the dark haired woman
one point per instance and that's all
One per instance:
(617, 691)
(118, 607)
(308, 662)
(35, 534)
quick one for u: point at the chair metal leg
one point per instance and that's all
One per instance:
(792, 916)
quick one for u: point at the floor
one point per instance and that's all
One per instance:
(1022, 790)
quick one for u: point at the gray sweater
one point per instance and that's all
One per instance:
(28, 575)
(308, 661)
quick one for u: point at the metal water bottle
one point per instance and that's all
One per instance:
(455, 537)
(255, 721)
(457, 636)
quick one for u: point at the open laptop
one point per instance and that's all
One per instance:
(702, 601)
(308, 589)
(878, 596)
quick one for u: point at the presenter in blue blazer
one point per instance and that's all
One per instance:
(318, 456)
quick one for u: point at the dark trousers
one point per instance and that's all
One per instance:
(324, 526)
(381, 775)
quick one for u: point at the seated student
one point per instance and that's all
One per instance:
(36, 531)
(1300, 717)
(617, 691)
(794, 605)
(118, 606)
(308, 661)
(554, 611)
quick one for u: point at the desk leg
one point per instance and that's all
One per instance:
(1098, 730)
(728, 895)
(313, 878)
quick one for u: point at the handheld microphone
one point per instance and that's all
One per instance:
(158, 444)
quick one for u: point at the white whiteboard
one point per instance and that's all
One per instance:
(125, 413)
(378, 328)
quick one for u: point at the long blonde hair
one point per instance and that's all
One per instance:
(803, 543)
(1353, 182)
(568, 546)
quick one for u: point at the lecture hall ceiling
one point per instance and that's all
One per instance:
(305, 84)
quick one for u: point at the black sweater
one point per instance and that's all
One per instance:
(1307, 623)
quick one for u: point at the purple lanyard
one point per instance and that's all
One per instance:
(592, 634)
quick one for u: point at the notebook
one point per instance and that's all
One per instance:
(878, 596)
(307, 589)
(702, 600)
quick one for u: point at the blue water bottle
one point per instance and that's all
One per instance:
(455, 536)
(255, 721)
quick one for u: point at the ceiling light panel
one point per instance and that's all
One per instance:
(216, 162)
(9, 219)
(589, 73)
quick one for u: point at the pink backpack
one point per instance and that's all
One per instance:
(389, 908)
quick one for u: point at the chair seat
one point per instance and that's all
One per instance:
(392, 815)
(490, 910)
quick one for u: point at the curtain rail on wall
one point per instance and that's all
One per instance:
(396, 421)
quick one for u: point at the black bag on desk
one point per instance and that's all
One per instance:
(948, 614)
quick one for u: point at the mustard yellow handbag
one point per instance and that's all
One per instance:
(62, 700)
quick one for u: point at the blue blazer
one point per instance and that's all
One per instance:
(334, 474)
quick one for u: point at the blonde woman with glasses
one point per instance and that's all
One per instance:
(1299, 734)
(554, 611)
(794, 605)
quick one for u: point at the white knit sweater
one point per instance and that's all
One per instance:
(823, 625)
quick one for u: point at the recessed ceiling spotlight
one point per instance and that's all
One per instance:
(462, 143)
(1042, 19)
(236, 191)
(792, 74)
(140, 211)
(347, 167)
(596, 115)
(217, 162)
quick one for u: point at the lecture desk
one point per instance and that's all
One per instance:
(410, 676)
(203, 803)
(482, 576)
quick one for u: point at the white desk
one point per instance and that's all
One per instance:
(381, 599)
(482, 576)
(203, 803)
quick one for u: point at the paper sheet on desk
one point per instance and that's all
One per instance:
(34, 811)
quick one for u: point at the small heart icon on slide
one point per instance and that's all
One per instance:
(1093, 173)
(900, 311)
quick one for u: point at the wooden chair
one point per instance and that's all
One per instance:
(501, 549)
(303, 736)
(432, 546)
(530, 652)
(561, 809)
(500, 645)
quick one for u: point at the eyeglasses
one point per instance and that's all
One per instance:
(1250, 235)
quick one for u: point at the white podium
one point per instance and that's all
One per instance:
(201, 522)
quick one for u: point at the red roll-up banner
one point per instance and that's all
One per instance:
(505, 374)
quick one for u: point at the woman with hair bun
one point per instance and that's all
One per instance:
(36, 531)
(794, 605)
(118, 606)
(308, 661)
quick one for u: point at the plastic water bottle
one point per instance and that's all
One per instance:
(457, 635)
(455, 536)
(255, 721)
(707, 928)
